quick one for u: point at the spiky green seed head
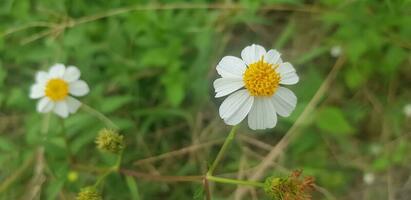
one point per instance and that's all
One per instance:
(88, 193)
(110, 141)
(293, 187)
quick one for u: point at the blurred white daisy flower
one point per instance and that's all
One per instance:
(54, 88)
(336, 51)
(368, 178)
(407, 110)
(253, 86)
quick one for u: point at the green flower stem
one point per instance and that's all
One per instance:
(66, 140)
(118, 162)
(234, 181)
(99, 116)
(103, 176)
(46, 125)
(111, 124)
(223, 149)
(114, 168)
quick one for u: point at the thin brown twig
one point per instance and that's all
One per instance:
(325, 192)
(206, 186)
(255, 142)
(37, 36)
(160, 178)
(190, 6)
(179, 152)
(39, 177)
(241, 171)
(89, 168)
(70, 23)
(26, 26)
(294, 130)
(13, 177)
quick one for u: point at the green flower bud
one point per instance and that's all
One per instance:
(88, 193)
(110, 141)
(292, 187)
(271, 187)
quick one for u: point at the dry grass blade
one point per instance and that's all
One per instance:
(160, 178)
(59, 28)
(9, 180)
(178, 152)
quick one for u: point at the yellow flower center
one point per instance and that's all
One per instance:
(261, 79)
(56, 89)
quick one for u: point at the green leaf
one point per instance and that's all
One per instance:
(286, 35)
(312, 54)
(3, 74)
(174, 84)
(111, 104)
(353, 78)
(332, 120)
(132, 186)
(18, 99)
(392, 60)
(199, 193)
(6, 144)
(54, 188)
(381, 164)
(355, 49)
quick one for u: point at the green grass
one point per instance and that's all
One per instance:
(150, 67)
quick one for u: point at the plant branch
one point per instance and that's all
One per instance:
(223, 149)
(235, 181)
(99, 116)
(150, 177)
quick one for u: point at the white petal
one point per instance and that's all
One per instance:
(262, 115)
(61, 109)
(236, 107)
(57, 71)
(78, 88)
(45, 105)
(241, 113)
(287, 74)
(37, 91)
(284, 101)
(71, 74)
(42, 77)
(225, 86)
(273, 57)
(73, 104)
(252, 54)
(231, 66)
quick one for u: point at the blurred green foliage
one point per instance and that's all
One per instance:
(151, 71)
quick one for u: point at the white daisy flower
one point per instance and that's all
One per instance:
(368, 178)
(54, 88)
(253, 86)
(336, 51)
(407, 110)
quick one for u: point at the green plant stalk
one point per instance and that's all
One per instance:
(118, 162)
(111, 124)
(223, 149)
(99, 116)
(133, 187)
(234, 181)
(66, 141)
(114, 168)
(102, 177)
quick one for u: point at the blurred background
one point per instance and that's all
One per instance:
(150, 66)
